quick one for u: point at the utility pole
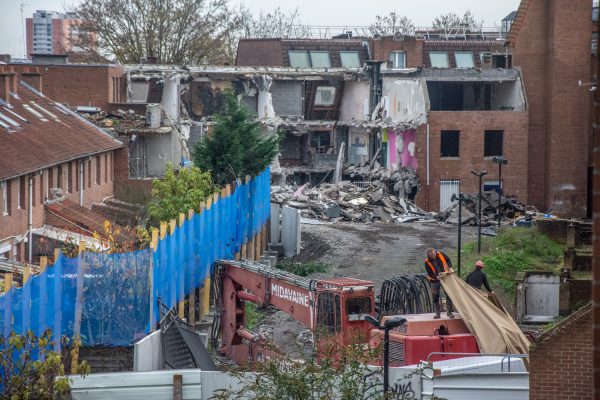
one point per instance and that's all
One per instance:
(460, 199)
(480, 174)
(500, 161)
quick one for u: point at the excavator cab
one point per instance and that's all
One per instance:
(342, 305)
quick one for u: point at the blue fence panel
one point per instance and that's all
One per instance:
(114, 289)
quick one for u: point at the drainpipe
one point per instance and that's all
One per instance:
(30, 220)
(81, 182)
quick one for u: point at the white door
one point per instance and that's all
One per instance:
(448, 187)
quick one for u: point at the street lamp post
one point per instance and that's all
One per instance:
(480, 174)
(460, 199)
(500, 161)
(387, 326)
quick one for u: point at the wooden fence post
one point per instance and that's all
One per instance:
(153, 246)
(78, 310)
(181, 303)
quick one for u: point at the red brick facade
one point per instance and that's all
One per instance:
(551, 45)
(472, 125)
(80, 84)
(561, 361)
(15, 222)
(411, 46)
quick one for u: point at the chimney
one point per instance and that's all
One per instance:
(8, 83)
(33, 77)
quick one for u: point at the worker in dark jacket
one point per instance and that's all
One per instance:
(436, 263)
(478, 277)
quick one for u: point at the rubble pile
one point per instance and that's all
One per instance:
(121, 119)
(368, 196)
(510, 208)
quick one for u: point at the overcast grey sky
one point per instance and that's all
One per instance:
(312, 12)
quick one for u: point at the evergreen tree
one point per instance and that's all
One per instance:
(235, 147)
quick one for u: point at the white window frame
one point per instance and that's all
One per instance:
(320, 52)
(464, 53)
(304, 52)
(444, 53)
(348, 53)
(394, 59)
(4, 185)
(321, 89)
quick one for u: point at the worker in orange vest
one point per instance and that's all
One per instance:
(436, 263)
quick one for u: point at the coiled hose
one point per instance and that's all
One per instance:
(407, 294)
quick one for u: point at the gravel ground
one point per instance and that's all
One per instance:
(377, 251)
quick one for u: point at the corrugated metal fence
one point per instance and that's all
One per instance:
(106, 298)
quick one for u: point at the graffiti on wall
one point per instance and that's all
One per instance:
(402, 149)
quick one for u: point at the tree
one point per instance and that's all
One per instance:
(236, 147)
(451, 20)
(29, 370)
(391, 24)
(173, 31)
(179, 192)
(274, 24)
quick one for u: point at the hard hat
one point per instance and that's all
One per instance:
(479, 264)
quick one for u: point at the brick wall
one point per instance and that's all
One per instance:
(472, 125)
(561, 361)
(16, 223)
(412, 47)
(553, 50)
(78, 85)
(136, 191)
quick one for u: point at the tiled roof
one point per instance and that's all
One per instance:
(73, 217)
(48, 134)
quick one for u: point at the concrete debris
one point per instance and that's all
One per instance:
(367, 196)
(510, 208)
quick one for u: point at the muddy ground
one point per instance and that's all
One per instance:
(366, 251)
(377, 251)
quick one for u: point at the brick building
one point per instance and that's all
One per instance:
(50, 32)
(78, 85)
(50, 158)
(561, 364)
(551, 42)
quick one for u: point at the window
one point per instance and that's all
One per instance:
(42, 188)
(398, 59)
(325, 96)
(22, 199)
(320, 59)
(491, 185)
(89, 172)
(492, 145)
(5, 209)
(464, 59)
(450, 144)
(59, 177)
(438, 59)
(328, 312)
(98, 169)
(350, 59)
(139, 92)
(320, 142)
(357, 308)
(299, 59)
(70, 177)
(105, 168)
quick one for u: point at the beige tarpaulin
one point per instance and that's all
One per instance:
(495, 330)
